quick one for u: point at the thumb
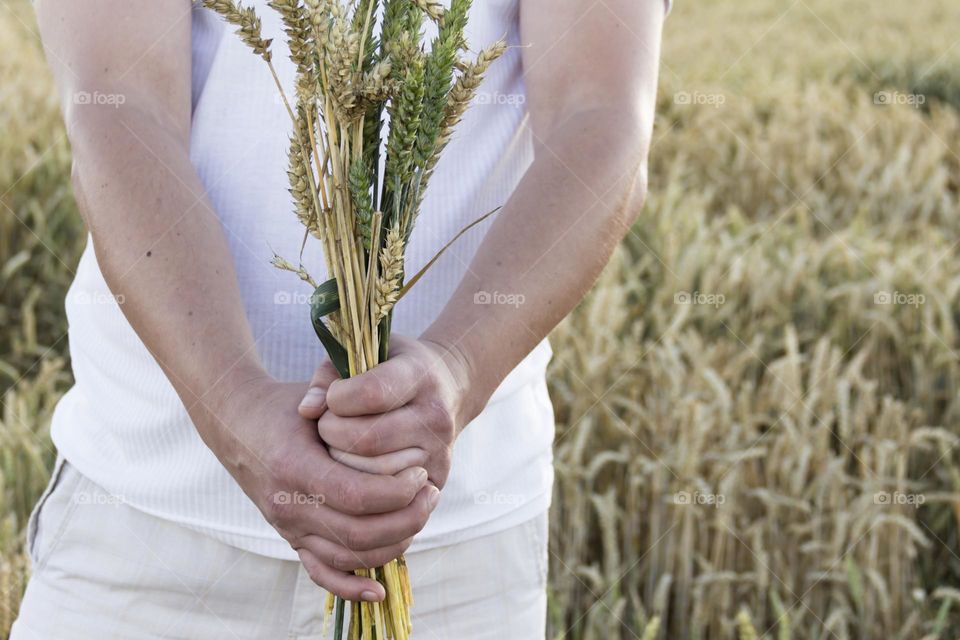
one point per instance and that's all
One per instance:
(314, 401)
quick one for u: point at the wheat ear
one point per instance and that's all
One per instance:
(247, 23)
(391, 270)
(434, 10)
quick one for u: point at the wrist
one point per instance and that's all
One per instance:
(217, 415)
(472, 386)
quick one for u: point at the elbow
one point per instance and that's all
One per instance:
(629, 132)
(86, 130)
(606, 148)
(611, 144)
(635, 197)
(626, 131)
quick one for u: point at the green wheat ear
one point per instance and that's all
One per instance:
(362, 199)
(438, 78)
(404, 125)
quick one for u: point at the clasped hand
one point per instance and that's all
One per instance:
(398, 419)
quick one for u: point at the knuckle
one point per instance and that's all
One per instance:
(432, 375)
(367, 443)
(351, 497)
(357, 539)
(373, 392)
(402, 491)
(314, 572)
(326, 429)
(346, 562)
(280, 464)
(441, 419)
(418, 525)
(420, 517)
(409, 495)
(333, 433)
(440, 469)
(417, 375)
(277, 510)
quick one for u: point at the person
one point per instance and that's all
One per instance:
(214, 478)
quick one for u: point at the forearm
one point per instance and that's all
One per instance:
(163, 253)
(547, 246)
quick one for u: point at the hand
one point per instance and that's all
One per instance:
(405, 412)
(337, 518)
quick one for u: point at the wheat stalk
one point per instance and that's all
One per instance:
(345, 80)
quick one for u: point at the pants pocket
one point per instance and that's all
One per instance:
(52, 513)
(537, 535)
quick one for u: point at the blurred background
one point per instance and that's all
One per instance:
(757, 406)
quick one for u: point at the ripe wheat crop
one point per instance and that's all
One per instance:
(757, 406)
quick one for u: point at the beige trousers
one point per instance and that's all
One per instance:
(104, 570)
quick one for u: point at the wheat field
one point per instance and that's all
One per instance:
(758, 404)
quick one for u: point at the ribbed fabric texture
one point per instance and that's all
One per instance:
(123, 426)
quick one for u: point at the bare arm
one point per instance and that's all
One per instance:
(156, 237)
(159, 244)
(591, 74)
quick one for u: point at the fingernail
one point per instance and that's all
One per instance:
(369, 596)
(434, 498)
(315, 397)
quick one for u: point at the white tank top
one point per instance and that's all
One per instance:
(123, 426)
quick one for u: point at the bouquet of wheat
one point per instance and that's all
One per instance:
(362, 207)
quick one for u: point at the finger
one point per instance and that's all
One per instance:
(340, 558)
(372, 436)
(345, 585)
(387, 386)
(324, 374)
(355, 492)
(314, 402)
(386, 464)
(366, 533)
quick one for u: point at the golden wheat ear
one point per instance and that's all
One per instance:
(247, 23)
